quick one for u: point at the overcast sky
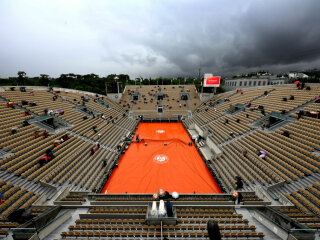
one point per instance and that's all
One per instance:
(153, 38)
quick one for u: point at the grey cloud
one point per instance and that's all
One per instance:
(158, 38)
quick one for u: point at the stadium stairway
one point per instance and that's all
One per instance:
(237, 137)
(4, 154)
(91, 141)
(115, 124)
(294, 185)
(223, 115)
(25, 183)
(300, 107)
(18, 106)
(247, 214)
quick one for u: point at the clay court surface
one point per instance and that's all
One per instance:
(175, 167)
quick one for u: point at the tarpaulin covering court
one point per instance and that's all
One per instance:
(176, 167)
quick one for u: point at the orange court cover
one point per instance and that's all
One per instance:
(175, 167)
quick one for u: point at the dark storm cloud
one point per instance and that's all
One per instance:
(157, 38)
(269, 34)
(282, 32)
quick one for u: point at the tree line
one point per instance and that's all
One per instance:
(94, 83)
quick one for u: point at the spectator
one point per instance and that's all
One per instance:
(1, 198)
(49, 154)
(65, 137)
(244, 153)
(169, 208)
(25, 123)
(286, 133)
(247, 115)
(238, 182)
(43, 161)
(36, 134)
(56, 143)
(45, 134)
(14, 130)
(27, 113)
(213, 230)
(10, 104)
(238, 120)
(93, 150)
(300, 113)
(32, 104)
(262, 154)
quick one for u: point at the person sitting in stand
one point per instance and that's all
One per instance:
(238, 120)
(286, 133)
(104, 162)
(244, 153)
(226, 121)
(50, 112)
(65, 137)
(36, 134)
(14, 130)
(50, 155)
(43, 161)
(238, 182)
(93, 150)
(45, 134)
(32, 104)
(300, 113)
(10, 104)
(25, 123)
(213, 230)
(95, 129)
(1, 198)
(98, 146)
(27, 113)
(56, 143)
(169, 209)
